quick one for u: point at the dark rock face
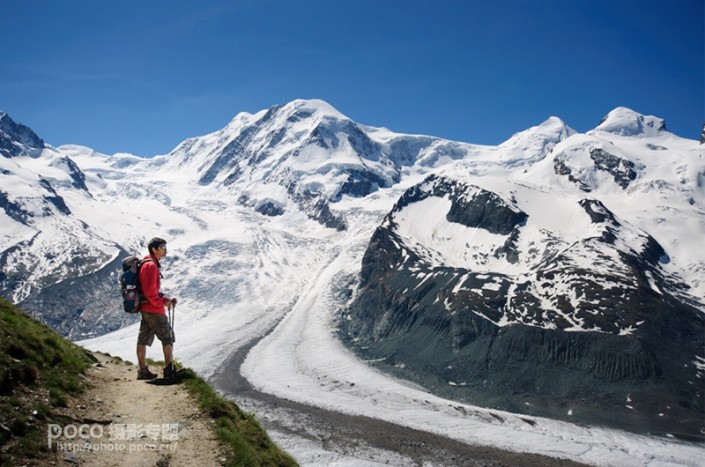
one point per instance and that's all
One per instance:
(359, 184)
(325, 135)
(98, 311)
(54, 198)
(405, 151)
(318, 208)
(270, 209)
(14, 210)
(267, 208)
(77, 175)
(623, 171)
(79, 306)
(17, 139)
(228, 159)
(18, 212)
(632, 363)
(482, 209)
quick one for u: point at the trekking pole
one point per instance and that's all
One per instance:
(172, 310)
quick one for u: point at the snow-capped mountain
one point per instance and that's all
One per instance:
(573, 280)
(17, 139)
(51, 260)
(467, 293)
(558, 268)
(303, 155)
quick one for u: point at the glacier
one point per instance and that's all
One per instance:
(268, 221)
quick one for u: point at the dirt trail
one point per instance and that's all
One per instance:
(121, 421)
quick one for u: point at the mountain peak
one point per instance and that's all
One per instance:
(313, 106)
(17, 139)
(626, 122)
(292, 112)
(536, 142)
(553, 128)
(305, 110)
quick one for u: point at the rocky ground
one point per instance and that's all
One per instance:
(121, 421)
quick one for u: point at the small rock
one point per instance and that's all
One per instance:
(72, 458)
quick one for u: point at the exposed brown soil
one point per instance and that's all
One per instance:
(121, 421)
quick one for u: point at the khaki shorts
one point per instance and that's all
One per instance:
(153, 324)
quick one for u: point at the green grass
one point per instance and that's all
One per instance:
(39, 371)
(249, 443)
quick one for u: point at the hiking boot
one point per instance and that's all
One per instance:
(144, 373)
(169, 371)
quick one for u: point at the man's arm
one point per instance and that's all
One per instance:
(149, 279)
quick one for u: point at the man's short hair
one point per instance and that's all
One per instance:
(156, 242)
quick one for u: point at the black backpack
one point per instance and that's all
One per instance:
(130, 283)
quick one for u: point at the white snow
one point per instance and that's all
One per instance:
(302, 360)
(238, 274)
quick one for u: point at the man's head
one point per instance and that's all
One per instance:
(157, 247)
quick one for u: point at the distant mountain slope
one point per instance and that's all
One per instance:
(51, 252)
(17, 139)
(553, 264)
(304, 155)
(464, 293)
(530, 292)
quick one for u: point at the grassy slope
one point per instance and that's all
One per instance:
(40, 372)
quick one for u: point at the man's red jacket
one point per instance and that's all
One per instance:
(153, 301)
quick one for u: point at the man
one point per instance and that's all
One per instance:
(154, 319)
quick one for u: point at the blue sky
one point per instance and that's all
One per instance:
(142, 76)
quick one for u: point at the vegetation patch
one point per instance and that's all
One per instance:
(248, 441)
(39, 372)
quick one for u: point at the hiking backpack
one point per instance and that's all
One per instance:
(130, 284)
